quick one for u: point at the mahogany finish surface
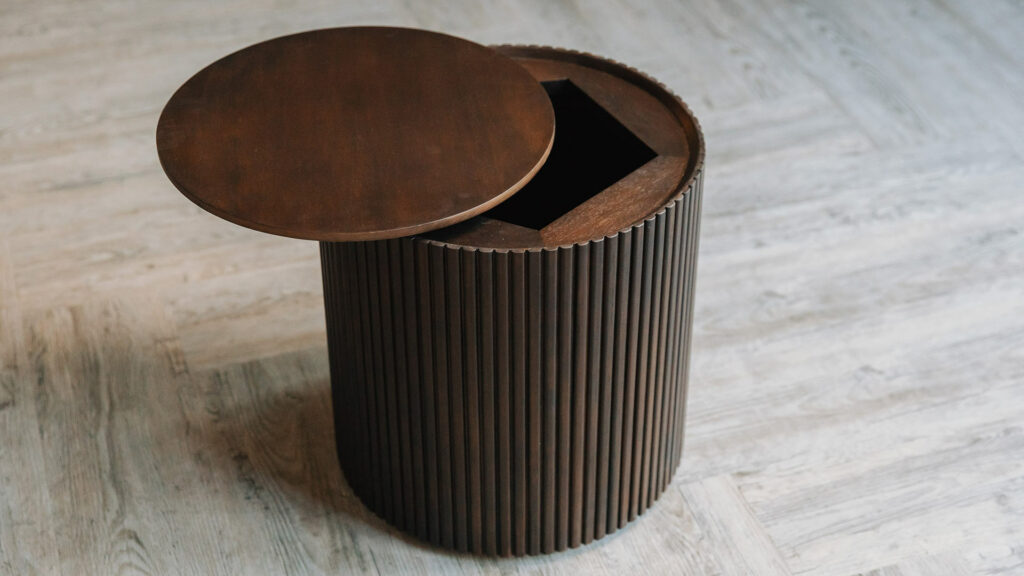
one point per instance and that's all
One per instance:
(355, 133)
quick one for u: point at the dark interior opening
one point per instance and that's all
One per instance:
(591, 151)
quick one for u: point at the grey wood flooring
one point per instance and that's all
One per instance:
(857, 384)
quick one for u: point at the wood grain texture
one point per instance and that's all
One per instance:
(355, 133)
(856, 383)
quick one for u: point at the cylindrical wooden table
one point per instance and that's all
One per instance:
(509, 242)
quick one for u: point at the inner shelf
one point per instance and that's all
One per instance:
(592, 150)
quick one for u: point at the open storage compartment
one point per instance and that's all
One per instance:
(591, 151)
(516, 383)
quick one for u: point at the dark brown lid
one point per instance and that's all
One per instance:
(355, 133)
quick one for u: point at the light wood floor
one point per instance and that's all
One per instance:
(857, 387)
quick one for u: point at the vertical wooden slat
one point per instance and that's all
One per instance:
(620, 379)
(414, 386)
(456, 407)
(691, 283)
(550, 386)
(660, 360)
(686, 278)
(442, 434)
(471, 395)
(400, 386)
(373, 482)
(391, 416)
(677, 361)
(534, 396)
(581, 333)
(564, 347)
(593, 342)
(425, 325)
(642, 400)
(360, 475)
(667, 368)
(606, 434)
(520, 440)
(488, 394)
(636, 273)
(503, 379)
(657, 266)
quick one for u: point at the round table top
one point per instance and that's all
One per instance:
(352, 134)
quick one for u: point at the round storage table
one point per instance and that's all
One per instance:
(508, 239)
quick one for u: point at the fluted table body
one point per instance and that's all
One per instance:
(513, 401)
(509, 241)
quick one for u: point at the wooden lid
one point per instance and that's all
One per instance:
(355, 133)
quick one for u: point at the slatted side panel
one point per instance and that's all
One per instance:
(513, 403)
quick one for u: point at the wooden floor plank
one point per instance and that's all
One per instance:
(737, 538)
(857, 366)
(943, 563)
(27, 542)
